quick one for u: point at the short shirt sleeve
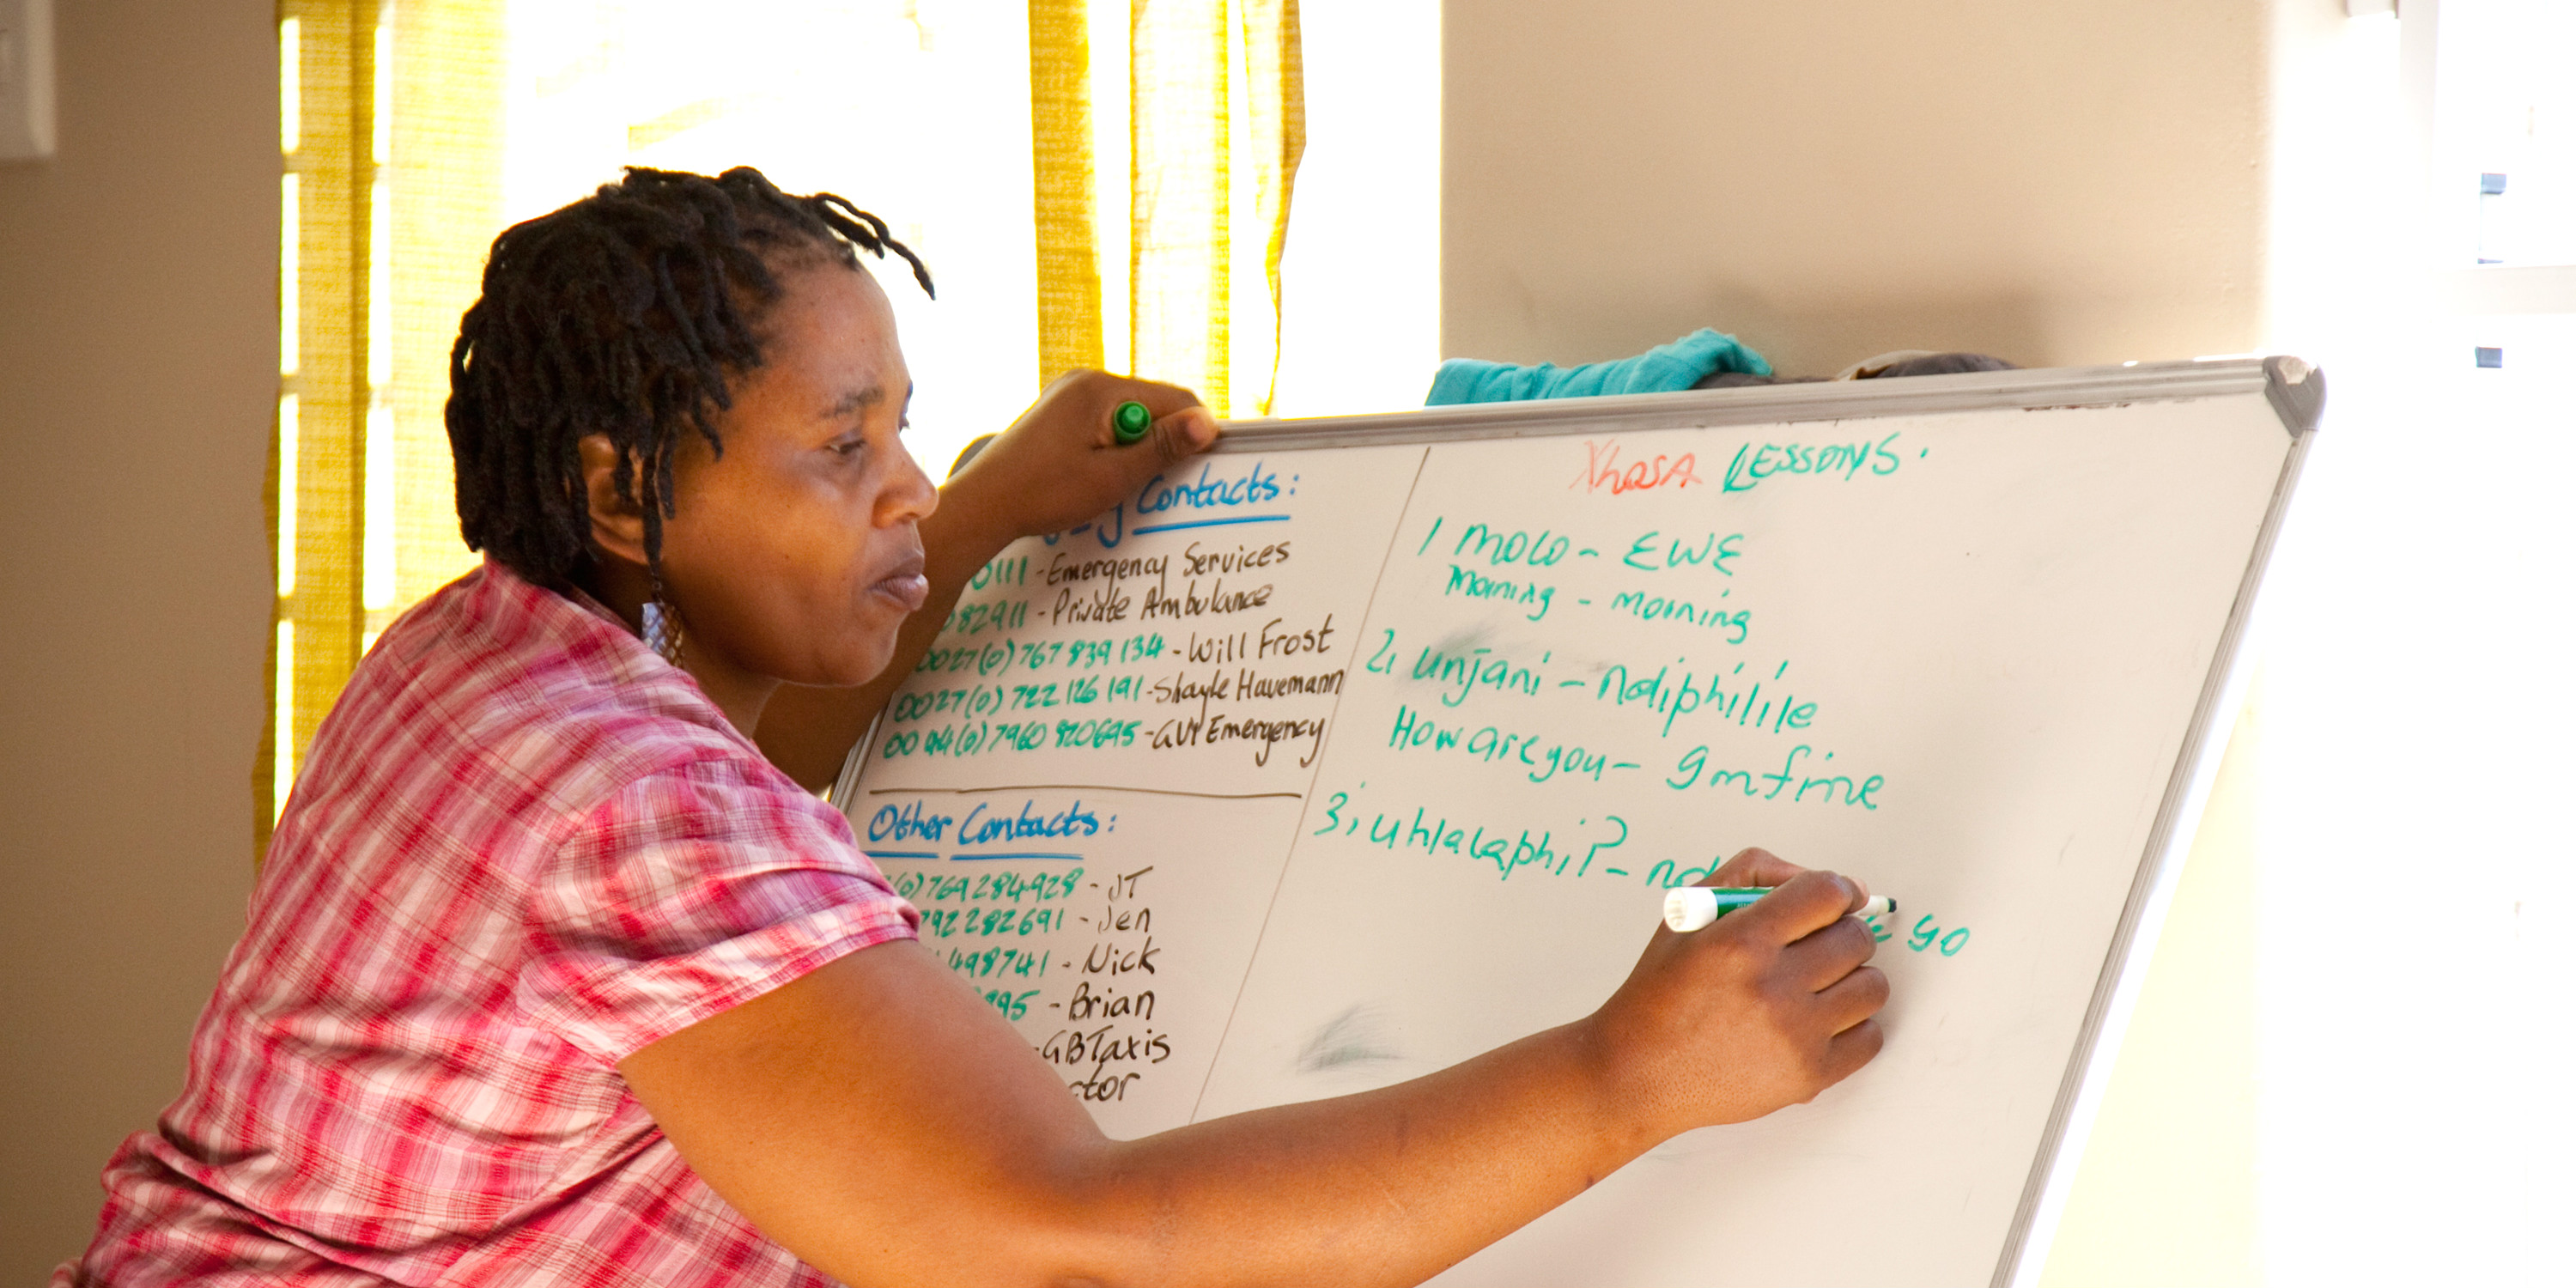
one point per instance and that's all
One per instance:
(690, 892)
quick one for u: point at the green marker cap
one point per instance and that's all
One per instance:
(1131, 421)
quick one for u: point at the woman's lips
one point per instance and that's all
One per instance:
(906, 586)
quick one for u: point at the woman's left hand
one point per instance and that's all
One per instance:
(1061, 463)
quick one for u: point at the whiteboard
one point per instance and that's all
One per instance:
(1361, 746)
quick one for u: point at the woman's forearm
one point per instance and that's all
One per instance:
(1384, 1187)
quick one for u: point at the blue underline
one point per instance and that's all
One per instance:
(962, 858)
(1211, 523)
(901, 854)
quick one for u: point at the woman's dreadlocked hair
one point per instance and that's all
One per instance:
(621, 314)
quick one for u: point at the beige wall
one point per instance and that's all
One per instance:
(2053, 181)
(137, 366)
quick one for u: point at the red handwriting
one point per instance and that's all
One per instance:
(1602, 469)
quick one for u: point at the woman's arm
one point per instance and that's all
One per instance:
(883, 1123)
(1059, 465)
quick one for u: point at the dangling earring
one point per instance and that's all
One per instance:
(662, 623)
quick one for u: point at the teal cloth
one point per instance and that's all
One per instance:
(1679, 365)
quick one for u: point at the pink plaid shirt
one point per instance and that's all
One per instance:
(522, 848)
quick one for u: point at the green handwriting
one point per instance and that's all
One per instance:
(1824, 788)
(1507, 848)
(1753, 464)
(1492, 744)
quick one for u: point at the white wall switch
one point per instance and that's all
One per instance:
(26, 80)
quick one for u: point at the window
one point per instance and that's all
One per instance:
(2415, 762)
(1167, 138)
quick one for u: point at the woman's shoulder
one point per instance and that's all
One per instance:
(496, 699)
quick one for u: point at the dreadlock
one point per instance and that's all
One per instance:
(622, 314)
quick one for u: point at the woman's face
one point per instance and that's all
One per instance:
(796, 554)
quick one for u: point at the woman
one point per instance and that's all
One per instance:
(553, 977)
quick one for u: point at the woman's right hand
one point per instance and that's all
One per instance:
(1764, 1009)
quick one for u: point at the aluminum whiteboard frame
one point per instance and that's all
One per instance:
(2296, 392)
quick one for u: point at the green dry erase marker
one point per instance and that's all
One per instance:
(1691, 907)
(1131, 421)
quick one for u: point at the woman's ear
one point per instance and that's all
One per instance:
(616, 523)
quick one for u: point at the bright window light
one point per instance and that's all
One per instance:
(918, 112)
(2414, 862)
(1361, 277)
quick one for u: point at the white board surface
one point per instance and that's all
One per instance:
(1316, 768)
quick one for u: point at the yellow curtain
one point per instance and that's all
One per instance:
(1212, 95)
(326, 109)
(389, 121)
